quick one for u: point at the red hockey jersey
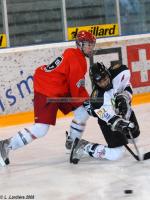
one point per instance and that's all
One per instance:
(65, 77)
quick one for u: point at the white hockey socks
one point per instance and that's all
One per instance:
(76, 130)
(77, 125)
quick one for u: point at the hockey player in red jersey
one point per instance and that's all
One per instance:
(110, 103)
(63, 78)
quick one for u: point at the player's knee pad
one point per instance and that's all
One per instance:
(27, 135)
(39, 130)
(80, 115)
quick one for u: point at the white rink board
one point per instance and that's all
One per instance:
(18, 64)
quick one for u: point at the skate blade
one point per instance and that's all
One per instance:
(2, 163)
(72, 151)
(75, 161)
(7, 162)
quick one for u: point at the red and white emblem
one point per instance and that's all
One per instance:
(139, 64)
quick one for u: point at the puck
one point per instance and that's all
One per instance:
(128, 191)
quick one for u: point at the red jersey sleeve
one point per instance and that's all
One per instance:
(76, 78)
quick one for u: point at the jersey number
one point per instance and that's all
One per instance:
(54, 64)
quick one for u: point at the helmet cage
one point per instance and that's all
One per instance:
(99, 72)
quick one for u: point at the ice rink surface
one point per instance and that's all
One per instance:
(41, 170)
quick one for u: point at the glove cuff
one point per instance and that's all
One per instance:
(113, 121)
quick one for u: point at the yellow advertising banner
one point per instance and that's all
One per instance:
(103, 30)
(3, 41)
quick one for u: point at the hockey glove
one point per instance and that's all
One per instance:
(121, 125)
(88, 107)
(122, 103)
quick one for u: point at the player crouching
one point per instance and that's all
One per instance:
(110, 103)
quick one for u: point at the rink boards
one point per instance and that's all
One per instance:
(17, 66)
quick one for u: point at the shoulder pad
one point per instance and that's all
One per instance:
(116, 66)
(116, 69)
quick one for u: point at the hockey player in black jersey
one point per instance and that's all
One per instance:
(110, 102)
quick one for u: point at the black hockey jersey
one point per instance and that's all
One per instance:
(103, 102)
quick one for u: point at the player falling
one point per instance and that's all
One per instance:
(110, 103)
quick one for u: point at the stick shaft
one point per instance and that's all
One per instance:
(132, 153)
(135, 146)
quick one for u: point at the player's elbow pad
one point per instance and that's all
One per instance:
(88, 107)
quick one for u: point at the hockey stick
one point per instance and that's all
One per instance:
(138, 157)
(145, 156)
(132, 153)
(135, 146)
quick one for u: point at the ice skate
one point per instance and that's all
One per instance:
(78, 150)
(69, 142)
(4, 151)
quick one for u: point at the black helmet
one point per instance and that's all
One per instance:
(98, 71)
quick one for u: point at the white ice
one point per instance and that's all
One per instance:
(42, 168)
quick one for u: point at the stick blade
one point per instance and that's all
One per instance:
(146, 156)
